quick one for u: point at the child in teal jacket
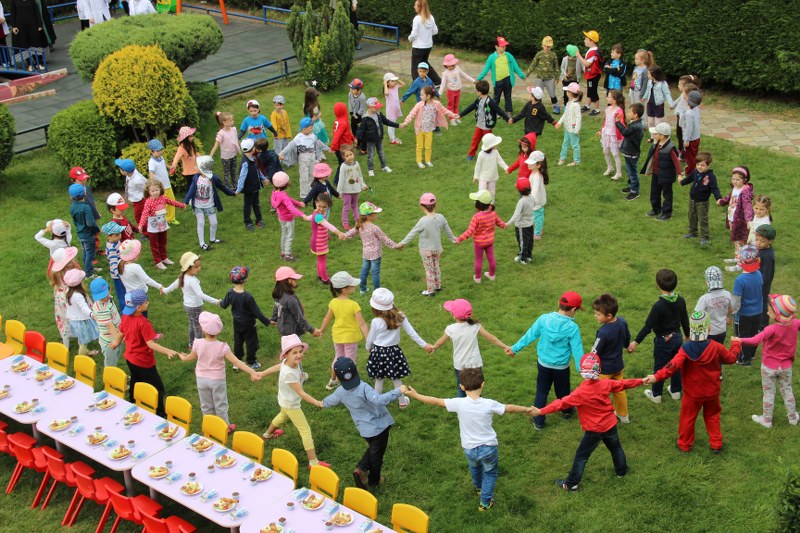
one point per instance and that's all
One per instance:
(503, 67)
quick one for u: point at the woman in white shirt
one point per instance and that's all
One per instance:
(140, 7)
(422, 31)
(193, 295)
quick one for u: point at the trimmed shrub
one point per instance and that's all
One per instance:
(186, 39)
(191, 116)
(8, 131)
(788, 510)
(204, 95)
(140, 155)
(80, 136)
(138, 87)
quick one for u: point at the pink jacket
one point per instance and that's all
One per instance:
(442, 114)
(285, 205)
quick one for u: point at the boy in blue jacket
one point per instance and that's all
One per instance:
(503, 67)
(85, 225)
(704, 184)
(422, 81)
(559, 337)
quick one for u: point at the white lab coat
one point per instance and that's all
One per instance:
(140, 7)
(94, 10)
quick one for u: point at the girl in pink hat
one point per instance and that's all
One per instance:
(288, 314)
(319, 234)
(287, 209)
(81, 324)
(186, 154)
(451, 81)
(63, 261)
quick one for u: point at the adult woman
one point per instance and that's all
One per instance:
(32, 27)
(422, 31)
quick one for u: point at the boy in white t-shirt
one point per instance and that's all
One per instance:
(718, 303)
(475, 425)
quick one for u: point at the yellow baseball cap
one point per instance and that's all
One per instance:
(593, 35)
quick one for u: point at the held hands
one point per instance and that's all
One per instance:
(255, 376)
(557, 126)
(316, 333)
(428, 348)
(509, 351)
(280, 156)
(534, 411)
(632, 347)
(598, 134)
(403, 125)
(649, 380)
(510, 120)
(735, 339)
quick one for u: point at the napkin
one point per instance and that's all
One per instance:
(172, 478)
(332, 508)
(160, 426)
(62, 377)
(111, 443)
(17, 359)
(241, 512)
(43, 368)
(208, 495)
(39, 409)
(139, 456)
(366, 526)
(102, 395)
(220, 453)
(247, 466)
(130, 410)
(77, 429)
(300, 493)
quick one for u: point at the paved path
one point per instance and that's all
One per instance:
(754, 129)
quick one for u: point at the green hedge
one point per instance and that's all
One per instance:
(8, 132)
(204, 95)
(186, 39)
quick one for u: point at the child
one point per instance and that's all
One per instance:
(420, 83)
(79, 176)
(186, 154)
(351, 183)
(266, 159)
(503, 68)
(748, 300)
(63, 261)
(134, 189)
(717, 303)
(522, 219)
(386, 359)
(777, 357)
(132, 274)
(611, 137)
(592, 70)
(481, 229)
(105, 314)
(85, 225)
(370, 135)
(765, 234)
(478, 438)
(287, 209)
(250, 182)
(193, 295)
(372, 240)
(571, 122)
(211, 355)
(113, 233)
(595, 412)
(372, 419)
(306, 150)
(228, 143)
(740, 210)
(321, 185)
(526, 145)
(545, 69)
(615, 70)
(631, 147)
(342, 136)
(486, 111)
(571, 72)
(290, 396)
(205, 202)
(429, 228)
(280, 120)
(700, 361)
(62, 237)
(116, 206)
(666, 319)
(155, 220)
(319, 234)
(427, 115)
(691, 129)
(254, 124)
(657, 94)
(245, 311)
(464, 334)
(610, 340)
(391, 84)
(704, 184)
(356, 104)
(640, 79)
(534, 113)
(489, 159)
(664, 167)
(686, 84)
(539, 178)
(348, 323)
(762, 214)
(311, 109)
(79, 313)
(288, 314)
(140, 345)
(559, 336)
(451, 83)
(157, 170)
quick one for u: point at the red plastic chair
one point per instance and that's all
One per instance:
(4, 438)
(35, 345)
(23, 447)
(172, 524)
(96, 490)
(132, 509)
(62, 472)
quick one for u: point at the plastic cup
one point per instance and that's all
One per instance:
(35, 401)
(328, 525)
(168, 464)
(131, 443)
(73, 419)
(235, 496)
(211, 469)
(282, 521)
(290, 506)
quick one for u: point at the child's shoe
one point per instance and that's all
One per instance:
(733, 268)
(470, 157)
(557, 109)
(758, 419)
(420, 165)
(332, 384)
(561, 162)
(177, 222)
(260, 224)
(794, 418)
(429, 163)
(651, 397)
(249, 227)
(517, 258)
(616, 177)
(608, 172)
(524, 261)
(476, 279)
(585, 108)
(404, 401)
(387, 170)
(623, 419)
(255, 365)
(160, 266)
(594, 112)
(453, 122)
(574, 164)
(566, 486)
(426, 292)
(167, 262)
(689, 235)
(360, 478)
(395, 141)
(482, 507)
(489, 276)
(371, 173)
(703, 243)
(290, 258)
(675, 395)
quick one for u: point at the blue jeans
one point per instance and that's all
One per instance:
(588, 444)
(119, 288)
(459, 391)
(483, 469)
(571, 139)
(366, 266)
(632, 167)
(88, 256)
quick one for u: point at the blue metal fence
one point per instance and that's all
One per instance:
(15, 60)
(283, 71)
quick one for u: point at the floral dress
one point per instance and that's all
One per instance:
(60, 299)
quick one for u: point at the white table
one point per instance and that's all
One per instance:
(24, 387)
(143, 433)
(225, 481)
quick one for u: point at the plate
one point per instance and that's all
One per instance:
(105, 404)
(202, 444)
(261, 474)
(64, 384)
(24, 407)
(312, 502)
(375, 530)
(225, 461)
(224, 505)
(119, 453)
(20, 367)
(43, 375)
(168, 432)
(133, 418)
(4, 393)
(192, 488)
(342, 519)
(158, 472)
(60, 425)
(96, 438)
(272, 527)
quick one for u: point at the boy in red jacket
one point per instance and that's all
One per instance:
(699, 362)
(597, 418)
(342, 134)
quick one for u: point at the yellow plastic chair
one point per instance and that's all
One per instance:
(57, 356)
(410, 519)
(15, 337)
(115, 381)
(85, 369)
(145, 396)
(361, 501)
(323, 479)
(215, 428)
(179, 411)
(248, 444)
(284, 462)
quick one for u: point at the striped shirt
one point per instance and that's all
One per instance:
(481, 228)
(105, 313)
(112, 254)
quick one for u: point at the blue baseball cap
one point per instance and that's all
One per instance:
(154, 144)
(125, 164)
(76, 191)
(134, 299)
(111, 228)
(305, 122)
(99, 288)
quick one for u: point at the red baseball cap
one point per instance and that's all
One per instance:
(523, 183)
(571, 299)
(77, 173)
(501, 41)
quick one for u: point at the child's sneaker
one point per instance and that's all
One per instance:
(387, 170)
(332, 384)
(167, 261)
(574, 164)
(404, 401)
(160, 266)
(489, 276)
(703, 242)
(731, 261)
(758, 419)
(395, 141)
(623, 419)
(482, 507)
(371, 173)
(651, 397)
(255, 365)
(429, 163)
(426, 292)
(632, 196)
(566, 486)
(557, 109)
(675, 395)
(249, 227)
(260, 224)
(594, 112)
(517, 258)
(585, 108)
(608, 172)
(453, 122)
(290, 258)
(690, 235)
(476, 279)
(626, 190)
(561, 162)
(420, 165)
(470, 157)
(616, 177)
(794, 418)
(524, 261)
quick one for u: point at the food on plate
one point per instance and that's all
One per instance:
(4, 393)
(64, 384)
(96, 438)
(59, 425)
(22, 366)
(272, 527)
(375, 530)
(225, 504)
(342, 519)
(202, 444)
(106, 403)
(133, 418)
(24, 407)
(261, 474)
(313, 502)
(120, 452)
(168, 432)
(191, 488)
(42, 375)
(157, 472)
(225, 461)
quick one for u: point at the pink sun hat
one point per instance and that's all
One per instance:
(450, 60)
(185, 132)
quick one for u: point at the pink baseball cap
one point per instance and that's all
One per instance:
(573, 88)
(501, 41)
(427, 198)
(285, 272)
(461, 309)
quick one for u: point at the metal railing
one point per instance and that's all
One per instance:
(45, 127)
(395, 29)
(22, 60)
(212, 10)
(283, 72)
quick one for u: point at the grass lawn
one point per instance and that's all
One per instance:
(594, 241)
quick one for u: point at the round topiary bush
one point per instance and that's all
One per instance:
(80, 136)
(8, 131)
(204, 95)
(138, 87)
